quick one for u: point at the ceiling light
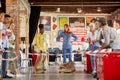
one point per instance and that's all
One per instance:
(99, 9)
(79, 10)
(31, 3)
(0, 4)
(58, 10)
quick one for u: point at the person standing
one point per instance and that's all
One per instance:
(5, 45)
(110, 36)
(67, 43)
(12, 65)
(41, 44)
(92, 39)
(92, 35)
(117, 26)
(1, 27)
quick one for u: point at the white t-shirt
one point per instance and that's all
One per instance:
(12, 37)
(5, 41)
(118, 32)
(85, 46)
(92, 36)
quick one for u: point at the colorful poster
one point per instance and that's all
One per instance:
(77, 22)
(77, 25)
(62, 21)
(46, 20)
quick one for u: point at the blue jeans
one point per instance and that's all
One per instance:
(64, 54)
(4, 64)
(93, 63)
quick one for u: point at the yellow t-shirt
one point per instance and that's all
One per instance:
(40, 41)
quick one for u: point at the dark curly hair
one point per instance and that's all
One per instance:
(41, 26)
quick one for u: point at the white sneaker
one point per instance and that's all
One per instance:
(93, 72)
(11, 75)
(19, 75)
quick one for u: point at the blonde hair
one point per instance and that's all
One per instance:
(12, 20)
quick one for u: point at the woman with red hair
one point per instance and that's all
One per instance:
(67, 43)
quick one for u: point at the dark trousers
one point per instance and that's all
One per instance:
(4, 64)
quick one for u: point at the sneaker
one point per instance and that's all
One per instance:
(7, 76)
(93, 72)
(11, 75)
(19, 75)
(95, 75)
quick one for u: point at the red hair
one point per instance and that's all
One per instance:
(67, 26)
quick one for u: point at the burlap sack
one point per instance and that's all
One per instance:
(67, 67)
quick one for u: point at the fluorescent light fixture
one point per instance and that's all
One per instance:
(99, 9)
(58, 10)
(79, 10)
(0, 3)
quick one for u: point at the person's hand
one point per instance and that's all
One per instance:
(71, 41)
(1, 52)
(58, 40)
(100, 48)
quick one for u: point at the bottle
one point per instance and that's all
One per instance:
(24, 47)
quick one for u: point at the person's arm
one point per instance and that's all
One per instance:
(118, 32)
(75, 37)
(47, 45)
(89, 40)
(12, 40)
(7, 42)
(0, 38)
(59, 36)
(89, 37)
(1, 35)
(106, 35)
